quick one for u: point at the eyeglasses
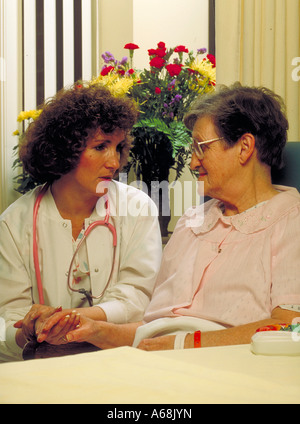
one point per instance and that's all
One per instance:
(197, 149)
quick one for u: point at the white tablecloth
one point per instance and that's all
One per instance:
(230, 374)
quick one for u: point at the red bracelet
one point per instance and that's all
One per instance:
(197, 339)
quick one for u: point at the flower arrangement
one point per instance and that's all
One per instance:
(164, 92)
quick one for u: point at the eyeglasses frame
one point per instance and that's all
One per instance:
(199, 152)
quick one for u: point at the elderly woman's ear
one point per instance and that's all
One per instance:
(247, 148)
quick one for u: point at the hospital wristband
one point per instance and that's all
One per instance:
(197, 339)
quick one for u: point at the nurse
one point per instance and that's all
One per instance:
(75, 149)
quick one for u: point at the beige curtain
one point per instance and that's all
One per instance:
(258, 43)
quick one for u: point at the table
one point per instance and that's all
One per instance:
(229, 374)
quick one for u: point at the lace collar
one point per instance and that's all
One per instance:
(252, 220)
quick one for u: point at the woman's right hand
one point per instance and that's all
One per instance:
(35, 319)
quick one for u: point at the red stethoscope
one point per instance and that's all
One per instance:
(105, 222)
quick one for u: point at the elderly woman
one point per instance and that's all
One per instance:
(224, 276)
(77, 240)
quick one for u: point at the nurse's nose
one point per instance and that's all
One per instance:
(113, 159)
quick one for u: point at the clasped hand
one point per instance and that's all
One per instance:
(45, 323)
(57, 327)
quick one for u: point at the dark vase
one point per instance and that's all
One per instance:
(158, 190)
(153, 152)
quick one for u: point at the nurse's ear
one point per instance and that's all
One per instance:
(246, 147)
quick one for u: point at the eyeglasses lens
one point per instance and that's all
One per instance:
(195, 148)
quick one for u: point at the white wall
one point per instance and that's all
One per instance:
(171, 21)
(115, 27)
(146, 23)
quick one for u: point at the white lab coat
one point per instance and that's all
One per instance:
(138, 256)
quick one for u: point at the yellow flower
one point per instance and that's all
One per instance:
(29, 114)
(205, 69)
(17, 132)
(118, 86)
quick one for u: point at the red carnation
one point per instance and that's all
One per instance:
(157, 90)
(212, 59)
(131, 46)
(174, 69)
(160, 52)
(181, 49)
(157, 62)
(107, 70)
(157, 52)
(152, 52)
(161, 45)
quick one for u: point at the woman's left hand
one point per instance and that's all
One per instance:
(158, 343)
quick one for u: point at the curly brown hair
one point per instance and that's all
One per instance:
(52, 145)
(237, 110)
